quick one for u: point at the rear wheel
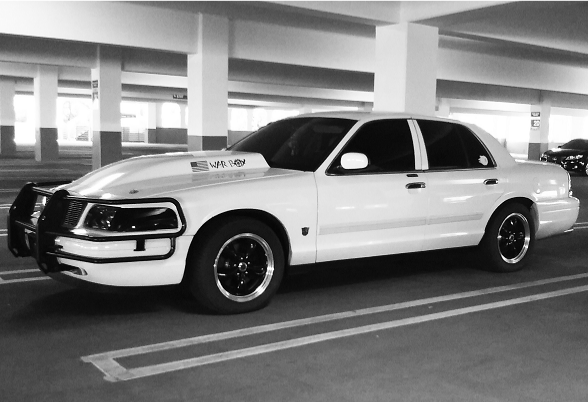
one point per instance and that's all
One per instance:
(235, 266)
(509, 239)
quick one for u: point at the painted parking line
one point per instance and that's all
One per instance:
(5, 281)
(22, 280)
(114, 371)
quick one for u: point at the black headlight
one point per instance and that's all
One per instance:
(116, 219)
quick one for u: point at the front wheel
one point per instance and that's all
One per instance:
(509, 239)
(235, 266)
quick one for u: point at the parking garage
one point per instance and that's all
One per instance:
(86, 84)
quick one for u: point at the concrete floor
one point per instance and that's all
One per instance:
(524, 341)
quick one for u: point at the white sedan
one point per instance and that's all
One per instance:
(303, 190)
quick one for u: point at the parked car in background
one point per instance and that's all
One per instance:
(572, 156)
(302, 190)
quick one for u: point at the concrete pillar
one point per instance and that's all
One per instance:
(366, 107)
(183, 108)
(250, 118)
(7, 117)
(151, 137)
(406, 68)
(45, 87)
(443, 109)
(539, 131)
(208, 85)
(106, 99)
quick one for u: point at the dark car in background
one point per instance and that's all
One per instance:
(572, 156)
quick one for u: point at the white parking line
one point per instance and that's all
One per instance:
(11, 281)
(20, 280)
(18, 271)
(113, 371)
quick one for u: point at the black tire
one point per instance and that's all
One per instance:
(235, 265)
(509, 239)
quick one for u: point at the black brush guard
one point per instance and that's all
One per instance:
(28, 238)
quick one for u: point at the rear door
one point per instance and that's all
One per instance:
(463, 184)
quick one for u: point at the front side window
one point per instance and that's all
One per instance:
(387, 144)
(298, 143)
(453, 146)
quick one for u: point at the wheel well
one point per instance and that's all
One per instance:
(527, 203)
(261, 216)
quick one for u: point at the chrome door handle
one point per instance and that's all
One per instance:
(412, 186)
(490, 182)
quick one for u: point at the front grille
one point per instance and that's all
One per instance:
(74, 212)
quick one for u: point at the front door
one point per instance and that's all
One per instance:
(381, 209)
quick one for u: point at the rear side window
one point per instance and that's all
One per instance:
(387, 144)
(453, 146)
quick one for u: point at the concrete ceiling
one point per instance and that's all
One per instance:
(542, 32)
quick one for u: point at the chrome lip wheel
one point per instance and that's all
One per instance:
(514, 237)
(243, 267)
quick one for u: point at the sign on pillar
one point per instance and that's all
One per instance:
(539, 130)
(45, 87)
(7, 118)
(106, 99)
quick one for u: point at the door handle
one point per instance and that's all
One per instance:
(412, 186)
(490, 182)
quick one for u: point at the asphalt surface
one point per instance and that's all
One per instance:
(421, 327)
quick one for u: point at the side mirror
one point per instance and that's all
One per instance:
(354, 161)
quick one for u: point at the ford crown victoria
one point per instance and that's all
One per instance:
(308, 189)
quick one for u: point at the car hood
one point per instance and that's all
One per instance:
(565, 152)
(158, 175)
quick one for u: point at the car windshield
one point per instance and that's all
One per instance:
(576, 144)
(300, 143)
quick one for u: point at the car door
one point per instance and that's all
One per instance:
(463, 184)
(381, 209)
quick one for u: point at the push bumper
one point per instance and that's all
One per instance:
(48, 234)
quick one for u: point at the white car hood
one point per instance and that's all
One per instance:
(157, 175)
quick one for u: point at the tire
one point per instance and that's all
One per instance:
(235, 266)
(509, 239)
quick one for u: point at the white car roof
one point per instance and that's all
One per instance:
(374, 116)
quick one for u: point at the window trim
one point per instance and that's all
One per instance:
(425, 156)
(415, 143)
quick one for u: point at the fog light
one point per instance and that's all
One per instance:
(78, 271)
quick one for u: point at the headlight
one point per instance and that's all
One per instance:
(135, 219)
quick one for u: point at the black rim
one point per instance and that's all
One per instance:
(514, 237)
(244, 267)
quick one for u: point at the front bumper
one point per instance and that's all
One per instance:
(50, 236)
(572, 165)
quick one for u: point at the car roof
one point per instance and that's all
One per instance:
(366, 116)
